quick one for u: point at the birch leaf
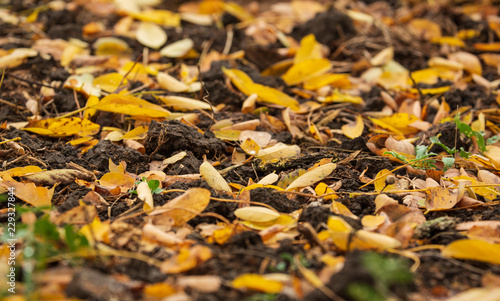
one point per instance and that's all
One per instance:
(313, 176)
(214, 178)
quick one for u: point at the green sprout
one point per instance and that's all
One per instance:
(154, 185)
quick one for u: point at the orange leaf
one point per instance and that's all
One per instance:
(441, 198)
(28, 192)
(186, 260)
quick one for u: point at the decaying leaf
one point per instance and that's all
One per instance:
(183, 208)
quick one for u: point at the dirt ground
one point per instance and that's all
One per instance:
(349, 233)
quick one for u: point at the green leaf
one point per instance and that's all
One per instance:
(448, 163)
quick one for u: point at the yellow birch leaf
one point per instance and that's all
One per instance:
(338, 97)
(28, 192)
(440, 198)
(256, 214)
(339, 208)
(335, 80)
(160, 17)
(487, 46)
(313, 176)
(250, 146)
(354, 129)
(236, 10)
(63, 127)
(19, 171)
(130, 105)
(214, 178)
(452, 41)
(305, 70)
(194, 200)
(186, 260)
(116, 179)
(258, 283)
(472, 249)
(309, 49)
(120, 167)
(137, 133)
(109, 82)
(111, 46)
(96, 231)
(397, 123)
(372, 222)
(159, 290)
(322, 188)
(230, 135)
(91, 102)
(380, 183)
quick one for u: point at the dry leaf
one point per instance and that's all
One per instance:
(130, 105)
(256, 214)
(473, 250)
(214, 178)
(183, 208)
(150, 35)
(258, 283)
(177, 49)
(313, 176)
(354, 129)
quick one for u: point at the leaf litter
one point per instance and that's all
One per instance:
(218, 150)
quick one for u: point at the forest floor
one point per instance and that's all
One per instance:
(216, 150)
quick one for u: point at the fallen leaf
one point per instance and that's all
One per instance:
(313, 176)
(258, 283)
(256, 214)
(183, 208)
(214, 178)
(473, 250)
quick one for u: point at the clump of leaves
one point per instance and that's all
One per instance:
(154, 185)
(386, 271)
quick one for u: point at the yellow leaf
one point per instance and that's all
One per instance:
(186, 260)
(96, 231)
(160, 17)
(230, 135)
(425, 29)
(120, 167)
(108, 82)
(309, 49)
(269, 179)
(397, 123)
(250, 146)
(471, 249)
(236, 10)
(265, 94)
(137, 133)
(335, 80)
(322, 188)
(338, 97)
(116, 179)
(441, 198)
(372, 222)
(313, 176)
(452, 41)
(258, 283)
(63, 127)
(111, 46)
(159, 290)
(130, 105)
(28, 192)
(256, 214)
(184, 207)
(214, 178)
(19, 171)
(305, 70)
(381, 183)
(91, 102)
(487, 46)
(354, 129)
(339, 208)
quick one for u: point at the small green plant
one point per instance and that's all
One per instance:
(422, 159)
(41, 241)
(154, 185)
(386, 272)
